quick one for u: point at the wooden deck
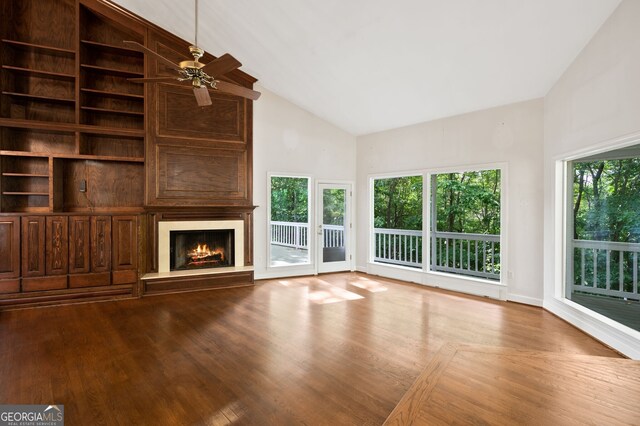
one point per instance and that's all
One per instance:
(625, 312)
(336, 349)
(283, 256)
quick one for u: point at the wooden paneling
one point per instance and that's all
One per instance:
(196, 156)
(125, 243)
(100, 243)
(33, 246)
(79, 245)
(57, 249)
(80, 144)
(190, 283)
(124, 277)
(180, 117)
(201, 176)
(9, 247)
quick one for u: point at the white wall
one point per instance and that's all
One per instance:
(288, 139)
(596, 101)
(510, 134)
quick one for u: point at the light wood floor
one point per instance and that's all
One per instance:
(337, 349)
(472, 384)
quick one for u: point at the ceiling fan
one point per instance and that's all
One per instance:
(196, 73)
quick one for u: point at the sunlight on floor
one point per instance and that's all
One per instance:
(369, 285)
(332, 295)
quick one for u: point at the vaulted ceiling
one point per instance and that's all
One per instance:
(372, 65)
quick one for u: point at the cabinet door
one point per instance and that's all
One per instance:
(100, 243)
(57, 249)
(33, 236)
(125, 243)
(9, 247)
(79, 246)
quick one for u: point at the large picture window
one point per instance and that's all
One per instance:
(289, 221)
(603, 241)
(465, 223)
(397, 220)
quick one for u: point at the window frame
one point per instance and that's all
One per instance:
(426, 271)
(310, 221)
(563, 222)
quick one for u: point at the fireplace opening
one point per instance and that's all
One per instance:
(201, 249)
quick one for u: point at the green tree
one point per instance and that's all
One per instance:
(289, 199)
(468, 202)
(397, 203)
(333, 203)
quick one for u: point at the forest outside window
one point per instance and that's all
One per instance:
(465, 223)
(603, 241)
(397, 221)
(289, 227)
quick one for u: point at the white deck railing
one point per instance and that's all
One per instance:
(290, 234)
(398, 247)
(477, 255)
(468, 254)
(333, 236)
(595, 264)
(296, 235)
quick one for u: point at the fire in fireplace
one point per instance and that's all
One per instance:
(201, 249)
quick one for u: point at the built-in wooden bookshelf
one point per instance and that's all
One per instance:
(70, 121)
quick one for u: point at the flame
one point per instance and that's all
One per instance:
(202, 251)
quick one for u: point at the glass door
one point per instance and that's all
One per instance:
(334, 227)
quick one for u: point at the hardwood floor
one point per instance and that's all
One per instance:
(334, 349)
(470, 384)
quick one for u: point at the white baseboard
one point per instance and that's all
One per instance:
(617, 336)
(361, 268)
(533, 301)
(267, 275)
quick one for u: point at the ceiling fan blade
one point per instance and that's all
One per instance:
(221, 66)
(202, 96)
(140, 48)
(155, 80)
(234, 89)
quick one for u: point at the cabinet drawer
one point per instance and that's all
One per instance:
(9, 286)
(89, 280)
(44, 283)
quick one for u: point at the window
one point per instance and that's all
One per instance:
(603, 241)
(465, 223)
(397, 218)
(289, 221)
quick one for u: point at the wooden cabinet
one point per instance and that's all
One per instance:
(100, 243)
(33, 248)
(9, 254)
(124, 249)
(125, 243)
(79, 246)
(57, 245)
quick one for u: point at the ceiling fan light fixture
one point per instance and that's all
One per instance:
(195, 72)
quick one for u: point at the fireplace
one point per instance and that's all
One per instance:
(198, 249)
(190, 246)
